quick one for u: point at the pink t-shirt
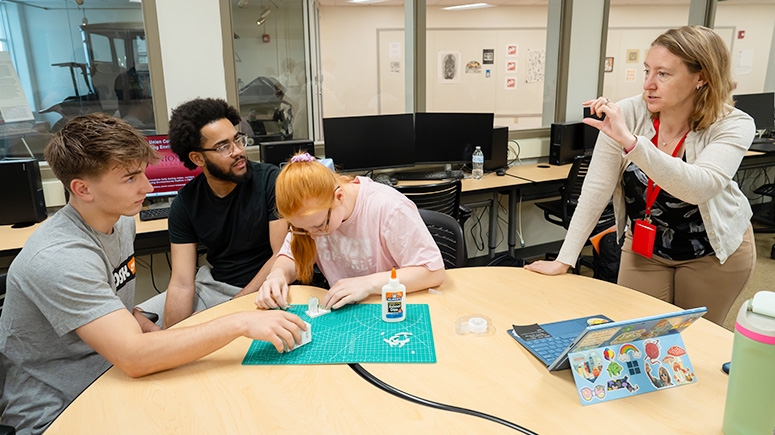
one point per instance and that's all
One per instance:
(384, 231)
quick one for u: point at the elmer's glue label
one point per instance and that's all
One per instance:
(393, 299)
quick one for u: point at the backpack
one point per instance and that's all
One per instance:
(605, 264)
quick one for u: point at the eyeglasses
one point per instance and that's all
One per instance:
(298, 232)
(227, 149)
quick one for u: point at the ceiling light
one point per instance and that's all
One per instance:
(363, 2)
(242, 3)
(260, 21)
(265, 13)
(468, 6)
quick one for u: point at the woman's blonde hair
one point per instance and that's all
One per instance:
(703, 51)
(309, 186)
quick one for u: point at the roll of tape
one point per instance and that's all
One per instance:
(474, 324)
(477, 325)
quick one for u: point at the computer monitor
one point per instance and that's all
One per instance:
(363, 143)
(168, 175)
(761, 107)
(279, 152)
(451, 137)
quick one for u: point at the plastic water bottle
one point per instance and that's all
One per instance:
(478, 164)
(749, 407)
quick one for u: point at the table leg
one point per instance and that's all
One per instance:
(513, 194)
(493, 224)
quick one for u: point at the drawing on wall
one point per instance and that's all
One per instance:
(512, 50)
(744, 62)
(511, 83)
(511, 66)
(395, 66)
(449, 67)
(632, 56)
(629, 75)
(608, 66)
(473, 67)
(394, 50)
(488, 56)
(535, 65)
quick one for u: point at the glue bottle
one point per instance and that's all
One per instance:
(393, 299)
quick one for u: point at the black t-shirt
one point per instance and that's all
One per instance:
(235, 229)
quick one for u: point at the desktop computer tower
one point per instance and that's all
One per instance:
(500, 150)
(567, 142)
(279, 152)
(22, 201)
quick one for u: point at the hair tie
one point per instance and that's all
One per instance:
(304, 157)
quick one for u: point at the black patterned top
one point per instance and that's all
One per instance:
(680, 231)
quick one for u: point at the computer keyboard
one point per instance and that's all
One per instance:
(154, 213)
(549, 348)
(429, 175)
(768, 140)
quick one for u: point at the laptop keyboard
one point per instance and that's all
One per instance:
(550, 347)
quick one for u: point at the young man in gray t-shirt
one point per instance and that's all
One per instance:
(67, 314)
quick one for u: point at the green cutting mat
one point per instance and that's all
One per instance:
(354, 334)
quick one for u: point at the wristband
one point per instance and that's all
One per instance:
(630, 148)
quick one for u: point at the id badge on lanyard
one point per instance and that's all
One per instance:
(644, 233)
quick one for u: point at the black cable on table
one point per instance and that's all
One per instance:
(357, 368)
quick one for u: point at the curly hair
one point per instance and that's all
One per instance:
(703, 51)
(187, 121)
(89, 145)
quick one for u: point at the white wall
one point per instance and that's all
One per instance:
(758, 22)
(191, 50)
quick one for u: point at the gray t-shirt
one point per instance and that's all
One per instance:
(67, 275)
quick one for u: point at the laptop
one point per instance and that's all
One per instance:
(610, 360)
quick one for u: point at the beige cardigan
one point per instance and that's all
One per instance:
(712, 157)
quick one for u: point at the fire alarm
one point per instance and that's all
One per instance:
(740, 34)
(265, 37)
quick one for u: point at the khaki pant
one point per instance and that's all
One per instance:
(691, 283)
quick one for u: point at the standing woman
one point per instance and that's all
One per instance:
(668, 157)
(356, 231)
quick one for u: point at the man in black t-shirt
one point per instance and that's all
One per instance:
(229, 209)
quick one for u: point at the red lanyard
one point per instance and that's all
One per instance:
(653, 190)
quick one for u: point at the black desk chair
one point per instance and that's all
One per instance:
(560, 211)
(767, 190)
(443, 197)
(448, 235)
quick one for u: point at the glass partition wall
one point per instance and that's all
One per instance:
(59, 59)
(273, 74)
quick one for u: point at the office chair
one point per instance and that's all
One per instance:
(448, 235)
(443, 197)
(767, 190)
(560, 211)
